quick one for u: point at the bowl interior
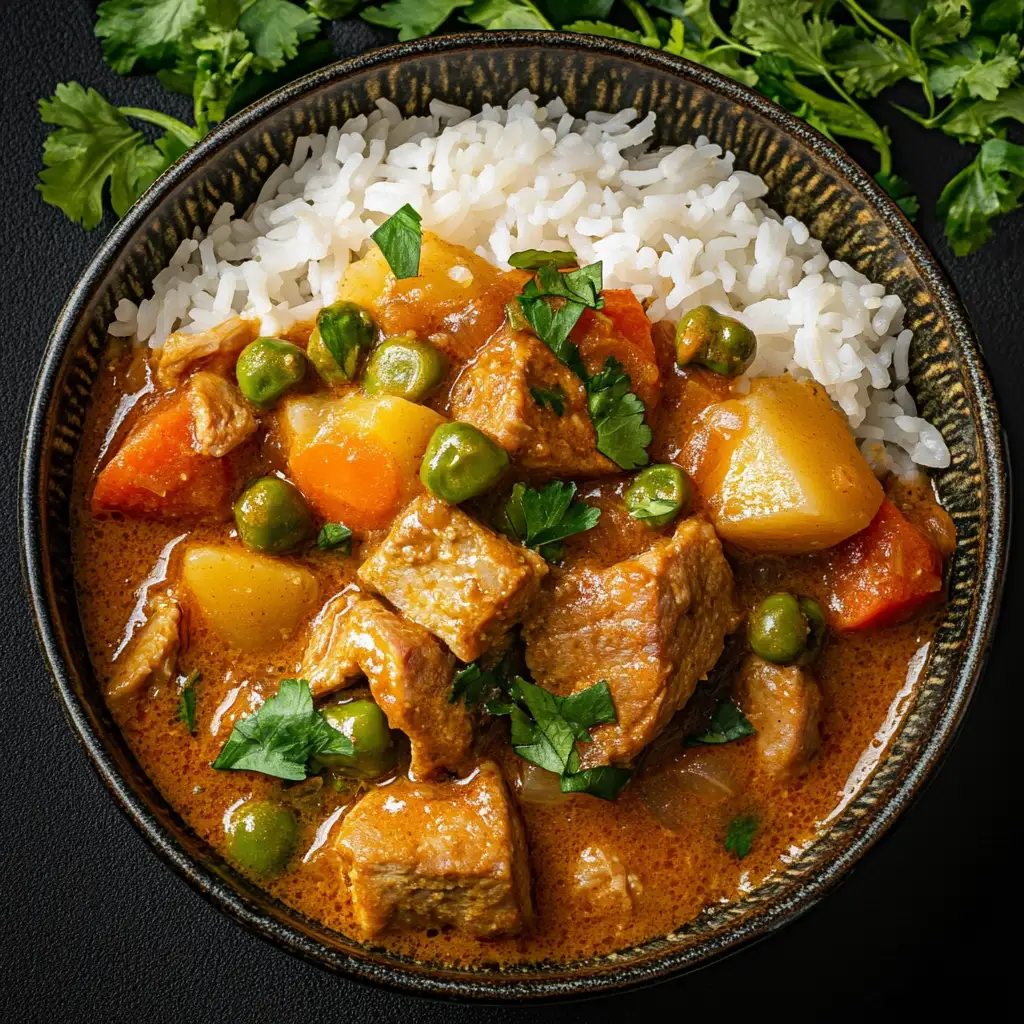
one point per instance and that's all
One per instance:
(808, 178)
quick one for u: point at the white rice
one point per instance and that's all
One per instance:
(678, 225)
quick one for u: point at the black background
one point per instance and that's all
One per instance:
(94, 928)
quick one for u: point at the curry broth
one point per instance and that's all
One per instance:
(864, 679)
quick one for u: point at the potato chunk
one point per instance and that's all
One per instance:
(778, 470)
(250, 601)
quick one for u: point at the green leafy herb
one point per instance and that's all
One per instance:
(485, 686)
(606, 781)
(543, 519)
(728, 723)
(282, 735)
(901, 192)
(400, 239)
(335, 536)
(739, 836)
(506, 14)
(413, 18)
(534, 259)
(145, 31)
(618, 417)
(553, 400)
(187, 701)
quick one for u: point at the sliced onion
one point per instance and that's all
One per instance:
(538, 786)
(679, 790)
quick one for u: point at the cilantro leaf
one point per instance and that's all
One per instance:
(94, 144)
(282, 735)
(331, 10)
(534, 259)
(400, 239)
(867, 66)
(728, 723)
(187, 701)
(275, 28)
(605, 29)
(787, 28)
(334, 536)
(941, 22)
(589, 707)
(974, 121)
(413, 18)
(506, 14)
(488, 686)
(542, 519)
(739, 836)
(605, 781)
(992, 184)
(900, 191)
(994, 17)
(966, 74)
(618, 417)
(547, 399)
(145, 31)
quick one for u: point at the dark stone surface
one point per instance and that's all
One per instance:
(94, 928)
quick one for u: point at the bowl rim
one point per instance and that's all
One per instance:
(395, 975)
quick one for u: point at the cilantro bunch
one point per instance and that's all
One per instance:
(827, 61)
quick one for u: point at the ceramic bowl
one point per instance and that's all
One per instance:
(808, 177)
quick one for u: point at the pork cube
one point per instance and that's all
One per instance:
(783, 704)
(652, 626)
(217, 348)
(445, 571)
(501, 393)
(409, 672)
(152, 655)
(221, 418)
(420, 855)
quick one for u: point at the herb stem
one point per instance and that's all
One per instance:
(879, 140)
(646, 23)
(178, 129)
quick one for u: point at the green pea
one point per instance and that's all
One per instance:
(267, 368)
(342, 331)
(461, 462)
(658, 494)
(721, 343)
(272, 516)
(787, 630)
(262, 836)
(404, 367)
(363, 722)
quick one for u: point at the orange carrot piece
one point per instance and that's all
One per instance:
(158, 473)
(883, 575)
(352, 480)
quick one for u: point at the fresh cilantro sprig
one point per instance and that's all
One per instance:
(728, 723)
(618, 417)
(281, 737)
(543, 519)
(546, 728)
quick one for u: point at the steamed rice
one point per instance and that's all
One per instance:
(678, 225)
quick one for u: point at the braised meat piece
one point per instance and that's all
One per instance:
(652, 626)
(445, 571)
(152, 655)
(218, 348)
(784, 706)
(420, 855)
(501, 393)
(409, 672)
(221, 418)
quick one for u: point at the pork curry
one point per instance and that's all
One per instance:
(478, 607)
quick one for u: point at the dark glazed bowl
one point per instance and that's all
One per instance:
(808, 177)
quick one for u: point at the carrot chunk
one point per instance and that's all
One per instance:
(351, 479)
(883, 575)
(621, 329)
(158, 473)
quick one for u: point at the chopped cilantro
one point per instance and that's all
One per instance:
(400, 239)
(739, 836)
(618, 417)
(728, 723)
(543, 519)
(335, 536)
(282, 735)
(534, 259)
(187, 701)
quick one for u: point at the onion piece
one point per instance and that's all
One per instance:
(681, 789)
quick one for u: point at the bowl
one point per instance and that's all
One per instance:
(808, 177)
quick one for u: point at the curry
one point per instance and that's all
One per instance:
(480, 619)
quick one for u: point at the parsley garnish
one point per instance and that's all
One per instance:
(282, 735)
(534, 259)
(728, 723)
(335, 536)
(187, 701)
(400, 239)
(553, 400)
(545, 727)
(739, 836)
(543, 519)
(618, 417)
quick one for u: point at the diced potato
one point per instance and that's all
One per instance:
(778, 470)
(250, 601)
(402, 428)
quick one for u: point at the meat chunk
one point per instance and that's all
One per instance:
(444, 570)
(221, 419)
(221, 344)
(420, 855)
(152, 655)
(604, 884)
(784, 706)
(409, 672)
(652, 626)
(496, 394)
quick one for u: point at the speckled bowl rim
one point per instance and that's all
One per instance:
(507, 987)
